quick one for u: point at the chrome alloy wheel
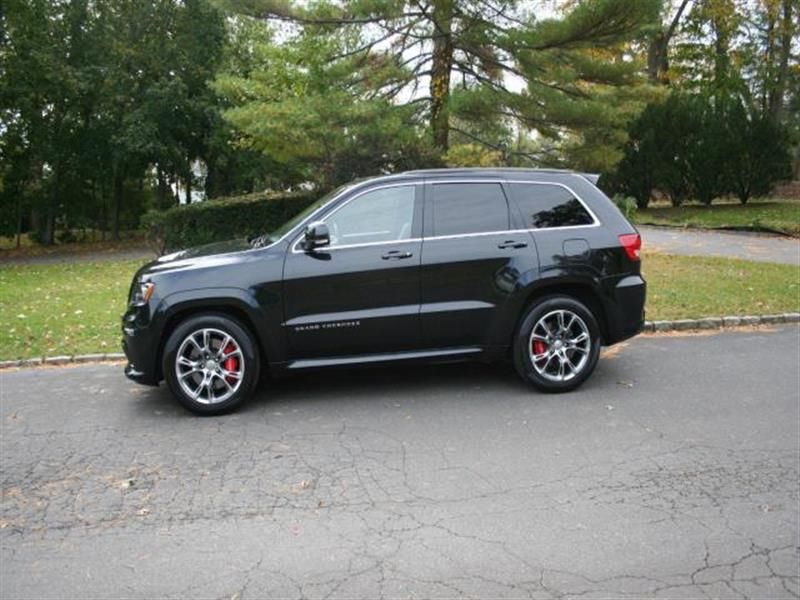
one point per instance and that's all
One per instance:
(559, 345)
(209, 366)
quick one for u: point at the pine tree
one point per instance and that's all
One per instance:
(484, 70)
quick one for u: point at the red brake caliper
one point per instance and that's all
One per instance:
(539, 347)
(231, 363)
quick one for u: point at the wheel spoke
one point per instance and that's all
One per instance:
(210, 388)
(224, 380)
(546, 327)
(560, 320)
(580, 338)
(235, 374)
(199, 389)
(578, 349)
(223, 345)
(194, 343)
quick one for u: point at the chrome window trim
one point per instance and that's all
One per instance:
(345, 203)
(347, 246)
(595, 220)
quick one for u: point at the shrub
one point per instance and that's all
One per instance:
(704, 147)
(760, 155)
(221, 219)
(625, 204)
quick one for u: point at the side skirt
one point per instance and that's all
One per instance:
(387, 357)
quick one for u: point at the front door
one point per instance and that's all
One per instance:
(360, 294)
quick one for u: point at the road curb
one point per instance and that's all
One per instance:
(706, 323)
(730, 322)
(55, 361)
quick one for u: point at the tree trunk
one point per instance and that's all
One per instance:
(19, 219)
(189, 186)
(117, 203)
(778, 91)
(722, 26)
(657, 61)
(657, 52)
(161, 193)
(440, 72)
(48, 232)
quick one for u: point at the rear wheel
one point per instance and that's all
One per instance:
(557, 345)
(211, 363)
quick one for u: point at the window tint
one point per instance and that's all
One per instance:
(383, 215)
(546, 206)
(468, 208)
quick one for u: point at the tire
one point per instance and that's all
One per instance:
(557, 362)
(211, 363)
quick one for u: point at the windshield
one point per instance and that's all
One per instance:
(275, 235)
(292, 223)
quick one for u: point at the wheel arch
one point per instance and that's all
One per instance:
(229, 306)
(582, 291)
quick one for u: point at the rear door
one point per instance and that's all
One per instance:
(471, 261)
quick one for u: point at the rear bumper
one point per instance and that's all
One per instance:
(625, 308)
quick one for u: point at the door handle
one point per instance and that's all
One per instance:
(396, 255)
(512, 244)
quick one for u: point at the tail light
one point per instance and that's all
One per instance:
(632, 243)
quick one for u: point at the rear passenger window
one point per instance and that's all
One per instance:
(460, 208)
(544, 206)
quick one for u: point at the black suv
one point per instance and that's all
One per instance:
(535, 265)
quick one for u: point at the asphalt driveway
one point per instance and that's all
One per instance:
(672, 473)
(734, 244)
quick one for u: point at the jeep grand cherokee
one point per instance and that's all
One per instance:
(533, 265)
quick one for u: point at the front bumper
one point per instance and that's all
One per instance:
(140, 345)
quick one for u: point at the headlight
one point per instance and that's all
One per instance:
(142, 292)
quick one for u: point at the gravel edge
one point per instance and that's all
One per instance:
(706, 323)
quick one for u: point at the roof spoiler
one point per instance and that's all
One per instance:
(592, 178)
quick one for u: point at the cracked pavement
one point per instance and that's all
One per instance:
(672, 473)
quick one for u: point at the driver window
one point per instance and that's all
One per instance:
(383, 215)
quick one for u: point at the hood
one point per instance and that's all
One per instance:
(208, 255)
(225, 247)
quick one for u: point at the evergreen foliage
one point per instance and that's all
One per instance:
(222, 219)
(702, 147)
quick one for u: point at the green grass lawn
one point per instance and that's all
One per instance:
(688, 287)
(777, 216)
(55, 309)
(51, 310)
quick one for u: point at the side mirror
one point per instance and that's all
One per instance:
(316, 235)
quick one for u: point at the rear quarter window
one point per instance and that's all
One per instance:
(544, 206)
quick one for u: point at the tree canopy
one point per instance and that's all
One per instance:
(112, 107)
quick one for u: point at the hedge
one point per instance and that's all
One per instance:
(221, 219)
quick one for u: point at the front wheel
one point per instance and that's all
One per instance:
(557, 345)
(211, 363)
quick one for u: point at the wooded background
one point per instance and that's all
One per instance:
(110, 107)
